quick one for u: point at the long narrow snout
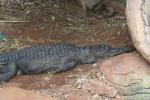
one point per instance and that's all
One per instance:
(117, 51)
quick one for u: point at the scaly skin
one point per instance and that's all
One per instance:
(53, 58)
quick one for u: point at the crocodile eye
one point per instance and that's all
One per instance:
(105, 47)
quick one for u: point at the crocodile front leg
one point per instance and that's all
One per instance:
(8, 71)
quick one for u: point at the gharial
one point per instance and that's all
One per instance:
(53, 58)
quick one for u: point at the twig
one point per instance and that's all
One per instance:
(15, 21)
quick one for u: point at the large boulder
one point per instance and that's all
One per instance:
(138, 20)
(129, 74)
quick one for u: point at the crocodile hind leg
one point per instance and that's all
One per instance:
(69, 62)
(8, 71)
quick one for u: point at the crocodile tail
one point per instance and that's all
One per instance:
(8, 72)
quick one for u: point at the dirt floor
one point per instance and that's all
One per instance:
(47, 23)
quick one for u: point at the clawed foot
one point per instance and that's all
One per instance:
(2, 84)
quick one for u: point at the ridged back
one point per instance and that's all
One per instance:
(37, 52)
(82, 53)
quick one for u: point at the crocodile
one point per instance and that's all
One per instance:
(54, 58)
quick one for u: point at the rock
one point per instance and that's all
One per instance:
(77, 95)
(138, 21)
(11, 93)
(101, 88)
(129, 73)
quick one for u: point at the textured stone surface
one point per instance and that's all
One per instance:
(101, 88)
(137, 13)
(11, 93)
(129, 73)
